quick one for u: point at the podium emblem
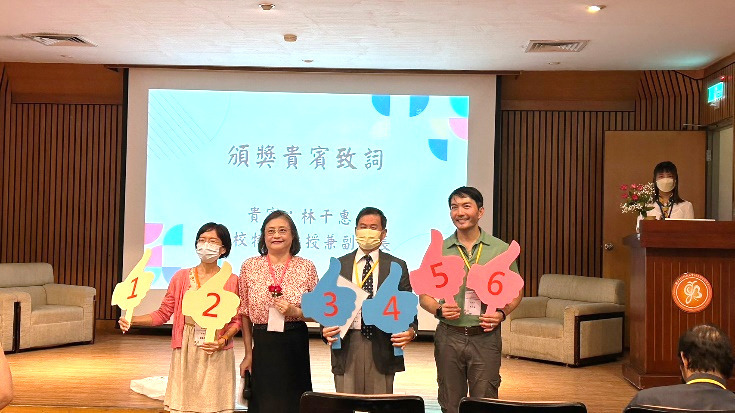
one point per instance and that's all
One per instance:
(691, 292)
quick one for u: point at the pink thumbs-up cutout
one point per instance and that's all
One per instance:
(438, 276)
(495, 283)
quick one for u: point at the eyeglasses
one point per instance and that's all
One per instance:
(213, 241)
(280, 231)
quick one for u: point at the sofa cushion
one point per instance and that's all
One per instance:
(577, 288)
(25, 274)
(538, 327)
(52, 314)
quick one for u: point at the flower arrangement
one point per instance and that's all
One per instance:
(637, 197)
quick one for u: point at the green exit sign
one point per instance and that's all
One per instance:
(716, 92)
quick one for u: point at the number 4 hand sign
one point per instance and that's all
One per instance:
(391, 310)
(494, 282)
(438, 276)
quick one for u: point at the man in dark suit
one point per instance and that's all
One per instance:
(365, 364)
(706, 362)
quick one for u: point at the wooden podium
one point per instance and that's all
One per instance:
(660, 254)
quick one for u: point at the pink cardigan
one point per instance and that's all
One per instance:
(171, 305)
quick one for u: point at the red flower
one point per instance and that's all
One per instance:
(623, 187)
(634, 197)
(624, 196)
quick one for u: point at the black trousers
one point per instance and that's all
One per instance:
(281, 368)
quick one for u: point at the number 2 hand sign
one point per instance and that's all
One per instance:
(494, 282)
(391, 310)
(211, 306)
(438, 276)
(129, 293)
(329, 304)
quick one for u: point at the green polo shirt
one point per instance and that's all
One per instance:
(492, 247)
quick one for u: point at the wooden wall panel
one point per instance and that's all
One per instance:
(61, 190)
(549, 192)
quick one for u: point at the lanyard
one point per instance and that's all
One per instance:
(357, 278)
(669, 208)
(466, 260)
(273, 272)
(710, 381)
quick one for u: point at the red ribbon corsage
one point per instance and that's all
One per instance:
(275, 290)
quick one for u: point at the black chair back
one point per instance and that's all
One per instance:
(312, 402)
(477, 405)
(659, 409)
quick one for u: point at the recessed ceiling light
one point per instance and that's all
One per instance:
(595, 8)
(553, 63)
(267, 6)
(290, 38)
(308, 60)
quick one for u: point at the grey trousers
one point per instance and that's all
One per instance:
(361, 376)
(464, 362)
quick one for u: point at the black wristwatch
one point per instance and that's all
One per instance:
(439, 312)
(501, 312)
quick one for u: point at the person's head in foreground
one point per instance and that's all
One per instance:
(705, 349)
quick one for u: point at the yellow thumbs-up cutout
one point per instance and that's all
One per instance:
(129, 293)
(211, 306)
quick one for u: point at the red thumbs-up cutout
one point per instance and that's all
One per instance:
(494, 282)
(438, 276)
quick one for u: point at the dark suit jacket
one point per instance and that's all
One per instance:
(695, 396)
(385, 361)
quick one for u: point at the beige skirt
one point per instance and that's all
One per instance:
(198, 382)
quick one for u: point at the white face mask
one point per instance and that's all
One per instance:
(368, 239)
(207, 252)
(665, 184)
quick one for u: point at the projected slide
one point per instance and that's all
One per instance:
(233, 157)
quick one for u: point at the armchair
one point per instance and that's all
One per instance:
(46, 314)
(574, 320)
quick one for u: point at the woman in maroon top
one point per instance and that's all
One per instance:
(271, 286)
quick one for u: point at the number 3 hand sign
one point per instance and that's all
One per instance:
(438, 276)
(129, 293)
(329, 304)
(211, 306)
(494, 282)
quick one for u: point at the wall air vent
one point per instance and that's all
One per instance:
(56, 39)
(544, 46)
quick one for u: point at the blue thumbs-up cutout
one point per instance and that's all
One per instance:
(330, 304)
(391, 310)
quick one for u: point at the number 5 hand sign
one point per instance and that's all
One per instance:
(494, 282)
(129, 293)
(438, 276)
(391, 310)
(329, 304)
(211, 306)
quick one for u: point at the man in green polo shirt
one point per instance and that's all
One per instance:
(467, 342)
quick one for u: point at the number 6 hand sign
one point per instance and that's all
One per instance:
(494, 282)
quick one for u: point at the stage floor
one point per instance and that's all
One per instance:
(99, 375)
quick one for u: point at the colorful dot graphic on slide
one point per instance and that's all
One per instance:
(174, 237)
(439, 144)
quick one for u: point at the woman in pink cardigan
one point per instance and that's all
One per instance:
(202, 377)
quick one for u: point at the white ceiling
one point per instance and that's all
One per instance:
(375, 34)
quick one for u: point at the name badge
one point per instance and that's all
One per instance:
(199, 334)
(276, 320)
(472, 303)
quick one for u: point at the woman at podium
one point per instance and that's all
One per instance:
(667, 202)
